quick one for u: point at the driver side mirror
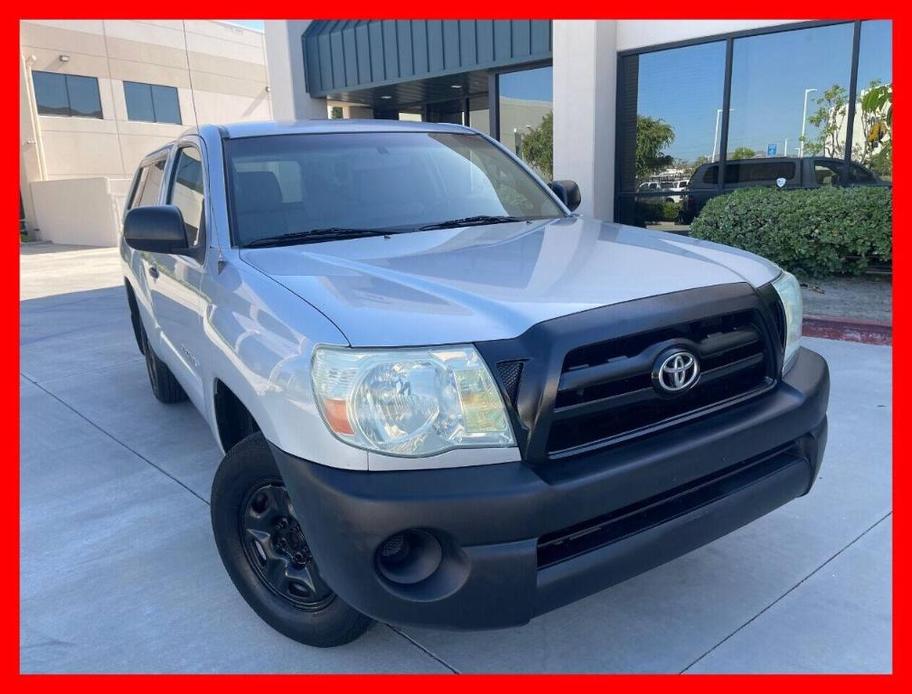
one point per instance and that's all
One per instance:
(568, 192)
(156, 228)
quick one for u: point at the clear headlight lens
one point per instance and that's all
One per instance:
(410, 402)
(790, 294)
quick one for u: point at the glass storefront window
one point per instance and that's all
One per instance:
(789, 97)
(678, 104)
(526, 118)
(669, 126)
(872, 133)
(479, 115)
(789, 93)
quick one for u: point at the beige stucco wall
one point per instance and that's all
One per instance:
(99, 202)
(218, 69)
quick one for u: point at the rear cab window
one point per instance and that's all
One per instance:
(759, 171)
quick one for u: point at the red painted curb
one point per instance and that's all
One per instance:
(849, 329)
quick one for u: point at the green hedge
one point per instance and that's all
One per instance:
(651, 210)
(817, 232)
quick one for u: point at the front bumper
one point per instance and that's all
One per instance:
(519, 540)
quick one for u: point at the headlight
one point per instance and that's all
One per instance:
(790, 295)
(410, 402)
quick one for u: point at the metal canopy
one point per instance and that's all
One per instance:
(345, 56)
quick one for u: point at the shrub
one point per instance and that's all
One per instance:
(816, 232)
(651, 210)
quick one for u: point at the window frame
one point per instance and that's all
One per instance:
(150, 85)
(620, 196)
(66, 88)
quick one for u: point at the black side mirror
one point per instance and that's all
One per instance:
(156, 228)
(568, 192)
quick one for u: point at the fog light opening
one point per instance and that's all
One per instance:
(409, 557)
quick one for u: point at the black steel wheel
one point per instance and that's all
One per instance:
(265, 551)
(276, 548)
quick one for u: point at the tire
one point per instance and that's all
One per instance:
(269, 562)
(164, 386)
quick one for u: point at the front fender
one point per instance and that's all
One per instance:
(262, 338)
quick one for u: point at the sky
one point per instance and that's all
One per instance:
(248, 23)
(770, 73)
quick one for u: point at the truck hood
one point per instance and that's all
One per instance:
(493, 282)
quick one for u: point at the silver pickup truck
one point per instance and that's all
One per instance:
(444, 398)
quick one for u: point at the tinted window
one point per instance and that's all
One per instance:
(66, 95)
(287, 184)
(139, 101)
(827, 173)
(152, 184)
(778, 80)
(711, 175)
(152, 103)
(187, 192)
(167, 107)
(759, 171)
(525, 102)
(859, 174)
(51, 94)
(872, 137)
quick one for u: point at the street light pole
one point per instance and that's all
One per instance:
(716, 131)
(804, 116)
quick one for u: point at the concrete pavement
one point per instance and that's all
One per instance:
(119, 571)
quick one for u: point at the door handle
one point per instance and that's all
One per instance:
(153, 271)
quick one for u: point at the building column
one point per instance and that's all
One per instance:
(285, 63)
(585, 79)
(31, 160)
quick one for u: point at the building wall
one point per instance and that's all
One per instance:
(218, 69)
(640, 33)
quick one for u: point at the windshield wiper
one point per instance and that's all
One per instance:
(315, 236)
(477, 220)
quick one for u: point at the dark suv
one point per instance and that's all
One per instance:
(803, 172)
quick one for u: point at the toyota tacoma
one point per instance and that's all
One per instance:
(443, 397)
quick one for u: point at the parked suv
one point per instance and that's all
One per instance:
(444, 398)
(784, 172)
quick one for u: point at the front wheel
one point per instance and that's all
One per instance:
(266, 555)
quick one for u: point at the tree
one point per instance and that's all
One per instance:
(537, 148)
(742, 153)
(876, 147)
(653, 136)
(829, 119)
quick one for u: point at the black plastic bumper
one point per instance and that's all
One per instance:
(519, 541)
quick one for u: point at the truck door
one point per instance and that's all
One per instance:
(175, 279)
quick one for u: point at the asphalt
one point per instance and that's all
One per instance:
(119, 572)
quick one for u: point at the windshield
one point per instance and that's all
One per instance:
(291, 184)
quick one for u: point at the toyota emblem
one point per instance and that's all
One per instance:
(675, 372)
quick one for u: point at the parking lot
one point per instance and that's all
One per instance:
(119, 571)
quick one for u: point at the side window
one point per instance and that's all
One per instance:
(711, 175)
(826, 174)
(859, 174)
(151, 184)
(187, 193)
(137, 189)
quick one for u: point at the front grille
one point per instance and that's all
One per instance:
(606, 392)
(598, 532)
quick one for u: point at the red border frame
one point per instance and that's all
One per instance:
(661, 9)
